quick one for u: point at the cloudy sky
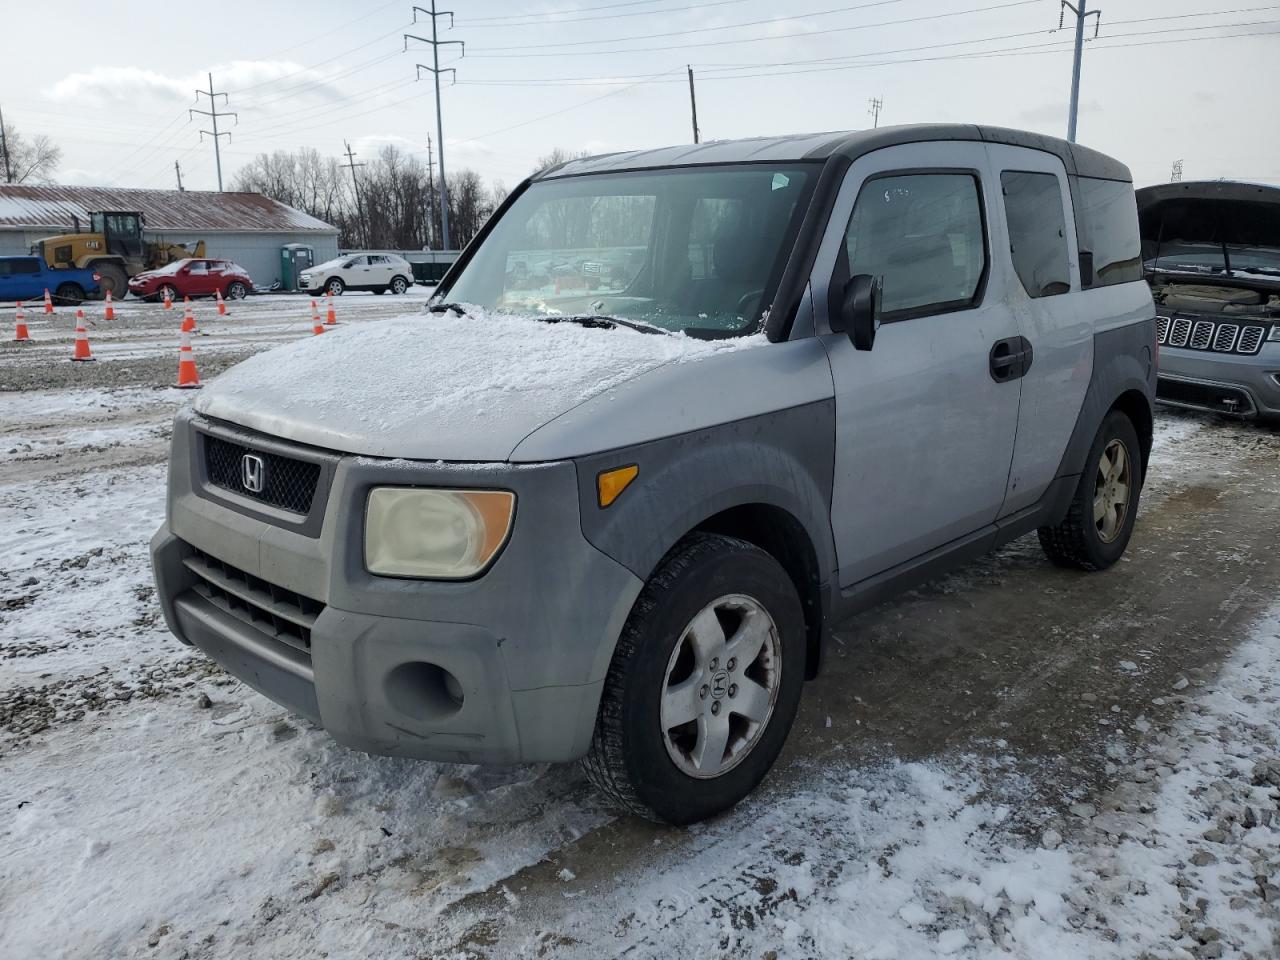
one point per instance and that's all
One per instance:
(1167, 79)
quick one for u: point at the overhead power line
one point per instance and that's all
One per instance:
(547, 19)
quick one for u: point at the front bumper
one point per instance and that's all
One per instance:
(1242, 386)
(527, 645)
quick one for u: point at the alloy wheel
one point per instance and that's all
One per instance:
(1111, 493)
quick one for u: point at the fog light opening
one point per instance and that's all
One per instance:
(423, 691)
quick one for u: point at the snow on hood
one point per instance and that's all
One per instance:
(438, 387)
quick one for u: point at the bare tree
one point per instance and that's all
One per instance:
(31, 161)
(557, 156)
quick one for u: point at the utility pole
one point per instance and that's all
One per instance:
(212, 113)
(1081, 15)
(4, 148)
(1176, 176)
(693, 105)
(355, 185)
(434, 69)
(874, 106)
(431, 195)
(177, 168)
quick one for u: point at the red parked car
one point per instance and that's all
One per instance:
(193, 278)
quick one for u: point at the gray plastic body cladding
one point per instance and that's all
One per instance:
(528, 642)
(782, 459)
(1123, 361)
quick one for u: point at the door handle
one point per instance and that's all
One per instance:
(1010, 359)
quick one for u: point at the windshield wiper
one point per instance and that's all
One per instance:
(604, 322)
(446, 307)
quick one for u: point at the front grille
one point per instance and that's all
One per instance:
(286, 483)
(1209, 335)
(279, 613)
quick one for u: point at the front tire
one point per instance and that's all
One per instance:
(704, 683)
(111, 279)
(1099, 522)
(334, 286)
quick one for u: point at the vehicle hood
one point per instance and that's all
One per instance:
(437, 387)
(327, 265)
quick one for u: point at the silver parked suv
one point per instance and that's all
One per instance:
(1211, 251)
(672, 414)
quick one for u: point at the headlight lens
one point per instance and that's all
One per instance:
(435, 534)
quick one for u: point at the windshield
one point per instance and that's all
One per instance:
(1216, 258)
(678, 249)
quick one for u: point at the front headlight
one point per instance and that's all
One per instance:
(1275, 332)
(435, 534)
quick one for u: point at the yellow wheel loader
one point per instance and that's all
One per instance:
(114, 248)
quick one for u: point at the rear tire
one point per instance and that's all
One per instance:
(70, 293)
(1099, 523)
(236, 291)
(713, 601)
(112, 279)
(399, 285)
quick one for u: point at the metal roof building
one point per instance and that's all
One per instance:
(245, 227)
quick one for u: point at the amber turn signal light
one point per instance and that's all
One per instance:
(611, 483)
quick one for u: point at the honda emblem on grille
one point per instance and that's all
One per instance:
(253, 473)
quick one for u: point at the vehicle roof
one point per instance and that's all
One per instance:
(1238, 190)
(850, 143)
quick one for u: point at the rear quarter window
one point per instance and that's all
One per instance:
(1107, 224)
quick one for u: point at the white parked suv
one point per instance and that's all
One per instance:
(378, 272)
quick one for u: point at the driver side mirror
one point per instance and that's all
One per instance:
(860, 310)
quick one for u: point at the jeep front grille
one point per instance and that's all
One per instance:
(279, 613)
(286, 483)
(1210, 336)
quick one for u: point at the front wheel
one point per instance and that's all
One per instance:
(1099, 522)
(112, 280)
(704, 683)
(399, 285)
(334, 286)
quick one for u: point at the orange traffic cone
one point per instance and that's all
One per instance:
(330, 317)
(168, 301)
(188, 319)
(315, 313)
(188, 377)
(222, 304)
(82, 340)
(20, 333)
(317, 327)
(111, 310)
(48, 303)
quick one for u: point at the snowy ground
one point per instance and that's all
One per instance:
(1013, 761)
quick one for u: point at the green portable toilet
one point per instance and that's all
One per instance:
(294, 259)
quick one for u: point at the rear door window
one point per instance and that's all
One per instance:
(1107, 224)
(1037, 231)
(923, 236)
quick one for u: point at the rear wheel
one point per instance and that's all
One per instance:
(399, 285)
(1100, 521)
(704, 683)
(334, 286)
(71, 293)
(237, 290)
(112, 279)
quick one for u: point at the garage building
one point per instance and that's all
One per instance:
(245, 227)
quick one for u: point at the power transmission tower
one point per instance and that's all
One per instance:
(177, 168)
(4, 148)
(355, 185)
(874, 106)
(434, 69)
(213, 113)
(431, 195)
(693, 105)
(1081, 15)
(1176, 176)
